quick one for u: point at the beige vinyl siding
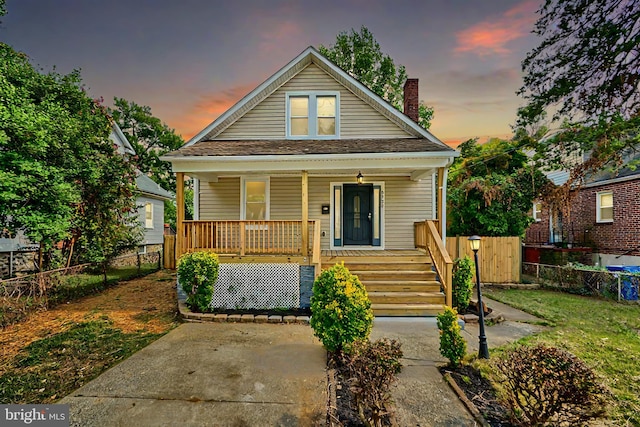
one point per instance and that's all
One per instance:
(357, 118)
(405, 202)
(220, 200)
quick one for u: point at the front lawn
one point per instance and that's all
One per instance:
(603, 333)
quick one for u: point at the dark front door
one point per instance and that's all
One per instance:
(357, 214)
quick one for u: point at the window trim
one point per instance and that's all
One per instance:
(599, 207)
(148, 221)
(537, 218)
(243, 195)
(312, 114)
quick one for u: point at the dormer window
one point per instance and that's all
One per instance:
(312, 115)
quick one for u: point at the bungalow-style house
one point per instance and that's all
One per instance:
(309, 169)
(604, 216)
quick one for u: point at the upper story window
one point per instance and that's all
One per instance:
(313, 115)
(604, 206)
(537, 211)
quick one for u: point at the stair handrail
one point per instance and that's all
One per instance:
(439, 256)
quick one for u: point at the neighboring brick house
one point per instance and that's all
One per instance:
(604, 215)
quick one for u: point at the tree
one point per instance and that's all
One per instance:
(491, 189)
(585, 75)
(359, 54)
(57, 163)
(150, 138)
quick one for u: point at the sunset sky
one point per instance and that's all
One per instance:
(190, 60)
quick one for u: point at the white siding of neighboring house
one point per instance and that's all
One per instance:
(357, 118)
(152, 236)
(405, 202)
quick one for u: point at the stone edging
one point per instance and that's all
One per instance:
(189, 316)
(468, 403)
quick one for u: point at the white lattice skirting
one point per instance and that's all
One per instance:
(257, 286)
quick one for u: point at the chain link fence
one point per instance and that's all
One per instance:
(614, 285)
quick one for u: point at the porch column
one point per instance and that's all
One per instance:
(441, 201)
(179, 214)
(305, 213)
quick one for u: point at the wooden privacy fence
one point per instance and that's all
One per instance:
(500, 258)
(169, 252)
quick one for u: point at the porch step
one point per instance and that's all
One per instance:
(407, 275)
(385, 266)
(409, 310)
(406, 297)
(402, 286)
(376, 259)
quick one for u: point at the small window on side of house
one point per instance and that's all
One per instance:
(148, 215)
(604, 206)
(537, 211)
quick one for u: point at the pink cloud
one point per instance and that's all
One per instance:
(491, 36)
(207, 108)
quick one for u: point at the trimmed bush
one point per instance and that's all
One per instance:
(372, 368)
(452, 344)
(197, 273)
(340, 308)
(462, 283)
(545, 385)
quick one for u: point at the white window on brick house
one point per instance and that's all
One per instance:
(148, 215)
(537, 211)
(604, 206)
(313, 115)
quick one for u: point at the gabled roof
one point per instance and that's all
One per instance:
(148, 187)
(124, 147)
(308, 56)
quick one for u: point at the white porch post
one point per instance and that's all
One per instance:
(443, 208)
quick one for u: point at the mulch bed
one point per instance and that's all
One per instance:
(481, 393)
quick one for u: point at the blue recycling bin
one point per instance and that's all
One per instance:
(629, 289)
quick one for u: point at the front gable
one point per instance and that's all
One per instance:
(356, 118)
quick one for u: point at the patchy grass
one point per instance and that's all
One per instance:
(51, 353)
(603, 333)
(53, 367)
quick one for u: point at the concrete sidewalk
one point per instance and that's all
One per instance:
(214, 374)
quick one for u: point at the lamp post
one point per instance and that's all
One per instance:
(483, 351)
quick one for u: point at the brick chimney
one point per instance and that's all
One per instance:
(411, 99)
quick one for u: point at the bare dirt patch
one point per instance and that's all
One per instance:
(146, 304)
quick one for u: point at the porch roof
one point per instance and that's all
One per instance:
(288, 147)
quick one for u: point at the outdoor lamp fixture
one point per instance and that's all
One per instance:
(359, 178)
(483, 352)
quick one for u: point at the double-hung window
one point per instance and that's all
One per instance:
(255, 199)
(313, 115)
(604, 206)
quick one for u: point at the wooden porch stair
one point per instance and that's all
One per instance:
(398, 285)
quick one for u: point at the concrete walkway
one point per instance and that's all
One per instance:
(215, 374)
(249, 374)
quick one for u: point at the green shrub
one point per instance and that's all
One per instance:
(545, 385)
(462, 282)
(197, 273)
(340, 308)
(372, 369)
(452, 344)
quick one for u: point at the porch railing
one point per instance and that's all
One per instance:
(427, 237)
(247, 237)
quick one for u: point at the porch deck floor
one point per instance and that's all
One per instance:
(371, 253)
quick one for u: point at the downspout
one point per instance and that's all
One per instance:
(196, 199)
